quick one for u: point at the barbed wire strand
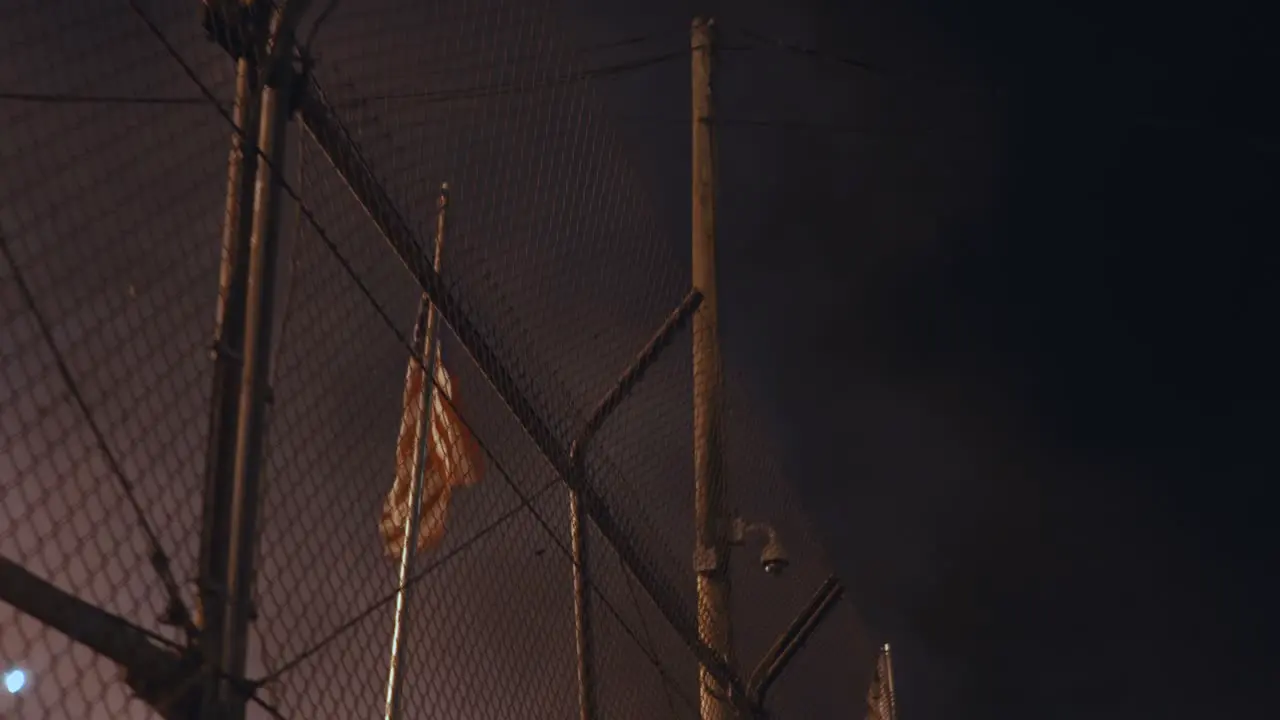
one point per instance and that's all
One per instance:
(321, 233)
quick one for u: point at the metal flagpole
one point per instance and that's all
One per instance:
(888, 671)
(395, 672)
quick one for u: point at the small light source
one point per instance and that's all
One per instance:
(15, 680)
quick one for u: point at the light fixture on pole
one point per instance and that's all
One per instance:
(773, 556)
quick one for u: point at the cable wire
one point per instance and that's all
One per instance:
(432, 96)
(391, 596)
(511, 87)
(812, 52)
(526, 500)
(54, 98)
(158, 558)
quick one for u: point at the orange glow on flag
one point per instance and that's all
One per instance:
(453, 459)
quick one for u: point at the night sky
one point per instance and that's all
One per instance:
(1022, 346)
(994, 284)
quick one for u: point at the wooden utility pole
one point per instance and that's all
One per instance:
(711, 554)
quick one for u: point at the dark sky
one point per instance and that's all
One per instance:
(1021, 345)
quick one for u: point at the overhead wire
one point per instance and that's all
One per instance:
(809, 51)
(64, 98)
(425, 95)
(413, 580)
(512, 87)
(349, 270)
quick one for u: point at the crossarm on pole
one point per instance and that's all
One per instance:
(162, 678)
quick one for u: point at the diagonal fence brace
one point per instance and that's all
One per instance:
(320, 121)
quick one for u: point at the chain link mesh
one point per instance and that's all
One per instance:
(115, 152)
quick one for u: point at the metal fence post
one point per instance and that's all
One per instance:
(275, 110)
(228, 352)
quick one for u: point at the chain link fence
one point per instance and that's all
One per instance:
(112, 194)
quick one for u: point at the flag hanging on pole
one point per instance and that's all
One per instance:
(452, 459)
(881, 703)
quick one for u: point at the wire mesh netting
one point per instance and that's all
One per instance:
(112, 197)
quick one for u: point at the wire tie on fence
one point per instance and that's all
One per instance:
(218, 349)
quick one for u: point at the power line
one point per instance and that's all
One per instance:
(512, 87)
(414, 580)
(776, 124)
(811, 52)
(767, 42)
(82, 99)
(430, 96)
(526, 500)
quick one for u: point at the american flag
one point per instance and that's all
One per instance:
(881, 704)
(453, 458)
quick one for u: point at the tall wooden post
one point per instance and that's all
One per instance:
(711, 554)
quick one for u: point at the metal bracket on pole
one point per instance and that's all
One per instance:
(577, 524)
(636, 370)
(793, 639)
